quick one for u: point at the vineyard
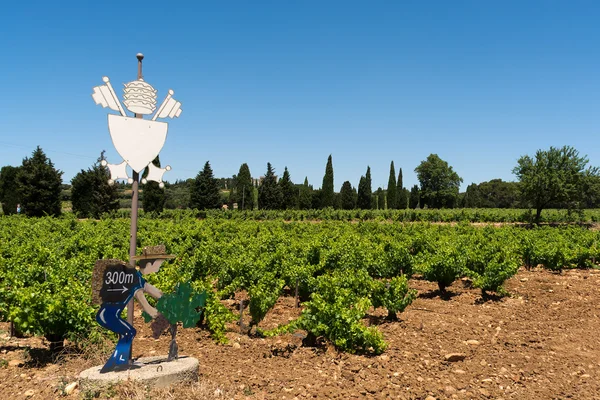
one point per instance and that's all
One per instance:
(337, 271)
(337, 275)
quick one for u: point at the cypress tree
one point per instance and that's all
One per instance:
(153, 196)
(347, 196)
(414, 197)
(232, 197)
(244, 189)
(363, 200)
(269, 193)
(255, 196)
(39, 185)
(404, 196)
(327, 187)
(401, 193)
(392, 190)
(205, 192)
(288, 191)
(369, 186)
(380, 198)
(304, 197)
(400, 183)
(91, 195)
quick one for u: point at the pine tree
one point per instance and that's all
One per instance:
(288, 191)
(414, 197)
(327, 187)
(9, 189)
(392, 190)
(347, 196)
(153, 196)
(244, 189)
(39, 185)
(205, 194)
(91, 195)
(269, 193)
(304, 196)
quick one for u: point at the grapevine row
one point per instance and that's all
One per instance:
(341, 270)
(492, 215)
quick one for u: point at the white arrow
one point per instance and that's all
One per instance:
(117, 290)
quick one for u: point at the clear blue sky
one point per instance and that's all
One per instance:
(480, 83)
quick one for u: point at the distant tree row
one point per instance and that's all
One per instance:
(493, 194)
(554, 178)
(35, 189)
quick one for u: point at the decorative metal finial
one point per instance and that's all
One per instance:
(140, 57)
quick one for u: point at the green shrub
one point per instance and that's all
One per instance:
(393, 295)
(490, 266)
(335, 312)
(445, 265)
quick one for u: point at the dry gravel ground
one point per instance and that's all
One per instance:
(540, 343)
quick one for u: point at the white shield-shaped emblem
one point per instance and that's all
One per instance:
(137, 140)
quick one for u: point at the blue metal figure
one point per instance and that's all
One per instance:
(120, 283)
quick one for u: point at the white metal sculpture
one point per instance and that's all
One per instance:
(137, 140)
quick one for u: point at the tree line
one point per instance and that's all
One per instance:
(553, 178)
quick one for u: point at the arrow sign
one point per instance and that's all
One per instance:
(118, 290)
(116, 281)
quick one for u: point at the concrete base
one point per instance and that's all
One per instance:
(148, 371)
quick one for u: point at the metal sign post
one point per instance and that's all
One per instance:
(134, 205)
(138, 142)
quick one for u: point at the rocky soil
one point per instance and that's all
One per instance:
(542, 342)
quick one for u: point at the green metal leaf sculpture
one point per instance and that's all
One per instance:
(181, 305)
(147, 317)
